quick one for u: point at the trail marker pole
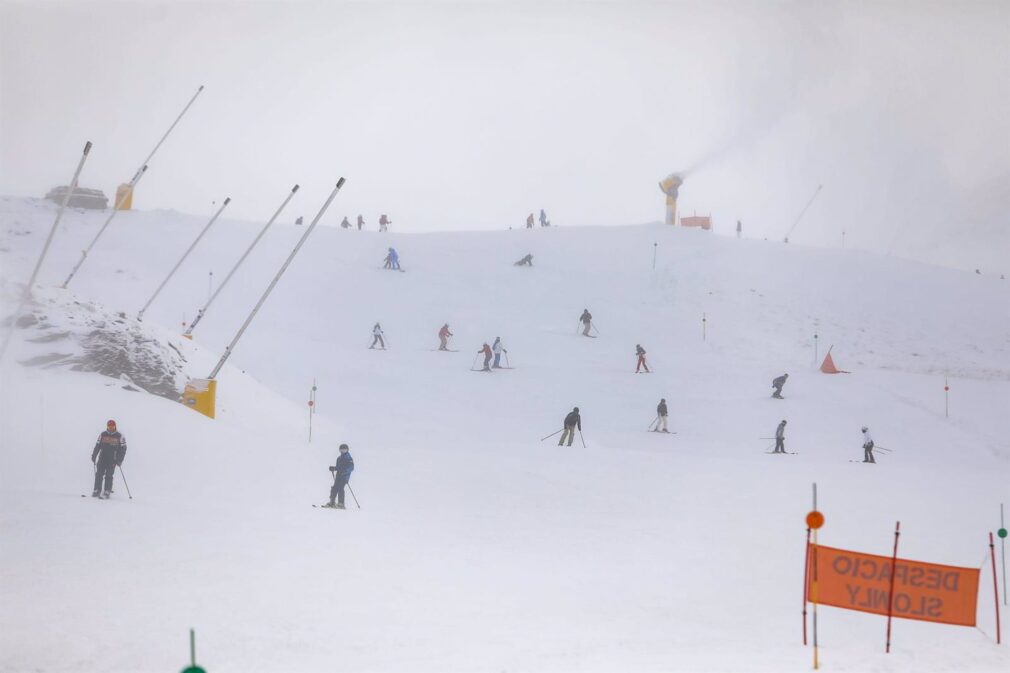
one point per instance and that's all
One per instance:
(890, 594)
(806, 571)
(1002, 543)
(946, 406)
(815, 348)
(815, 520)
(704, 320)
(655, 246)
(995, 587)
(312, 407)
(210, 284)
(192, 668)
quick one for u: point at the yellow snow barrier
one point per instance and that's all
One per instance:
(124, 197)
(201, 395)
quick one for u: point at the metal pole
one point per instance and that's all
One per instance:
(806, 571)
(582, 438)
(704, 319)
(192, 647)
(140, 315)
(273, 283)
(890, 595)
(201, 312)
(815, 349)
(946, 398)
(27, 293)
(802, 213)
(655, 246)
(119, 202)
(1002, 545)
(995, 588)
(814, 588)
(184, 110)
(123, 475)
(352, 495)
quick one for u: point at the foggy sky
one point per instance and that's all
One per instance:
(472, 115)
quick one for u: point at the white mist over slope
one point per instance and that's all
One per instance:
(479, 547)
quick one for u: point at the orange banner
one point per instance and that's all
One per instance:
(924, 591)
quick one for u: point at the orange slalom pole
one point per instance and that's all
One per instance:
(995, 588)
(890, 596)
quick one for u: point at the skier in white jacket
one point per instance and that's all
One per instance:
(867, 446)
(497, 349)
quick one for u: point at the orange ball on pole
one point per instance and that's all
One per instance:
(815, 520)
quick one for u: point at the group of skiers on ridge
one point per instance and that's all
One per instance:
(544, 222)
(780, 432)
(384, 222)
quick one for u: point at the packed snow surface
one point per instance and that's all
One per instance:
(478, 547)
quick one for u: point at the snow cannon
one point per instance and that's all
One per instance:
(201, 395)
(670, 186)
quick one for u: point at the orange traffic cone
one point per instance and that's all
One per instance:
(828, 366)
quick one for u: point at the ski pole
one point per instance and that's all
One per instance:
(123, 475)
(552, 434)
(507, 363)
(582, 438)
(655, 421)
(593, 325)
(353, 496)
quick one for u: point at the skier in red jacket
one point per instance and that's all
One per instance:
(443, 337)
(486, 350)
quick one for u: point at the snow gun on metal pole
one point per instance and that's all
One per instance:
(140, 315)
(273, 283)
(128, 193)
(802, 213)
(27, 292)
(199, 315)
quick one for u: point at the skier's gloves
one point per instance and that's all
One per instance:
(333, 468)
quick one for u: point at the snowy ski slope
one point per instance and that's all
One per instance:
(478, 547)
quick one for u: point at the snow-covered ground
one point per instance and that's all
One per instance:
(478, 547)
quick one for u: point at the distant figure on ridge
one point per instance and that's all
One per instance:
(661, 414)
(345, 224)
(867, 446)
(384, 222)
(497, 348)
(299, 220)
(341, 475)
(739, 229)
(587, 321)
(543, 218)
(529, 221)
(640, 352)
(361, 222)
(109, 452)
(377, 337)
(486, 350)
(777, 384)
(572, 421)
(443, 337)
(780, 438)
(525, 261)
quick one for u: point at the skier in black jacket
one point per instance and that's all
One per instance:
(587, 321)
(780, 438)
(110, 449)
(342, 474)
(661, 414)
(777, 384)
(572, 421)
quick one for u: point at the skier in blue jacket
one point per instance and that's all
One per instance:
(342, 474)
(392, 259)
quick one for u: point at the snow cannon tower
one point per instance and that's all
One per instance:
(669, 186)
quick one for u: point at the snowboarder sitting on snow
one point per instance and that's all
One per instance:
(777, 384)
(377, 337)
(443, 337)
(384, 222)
(867, 446)
(572, 421)
(661, 413)
(486, 350)
(640, 352)
(587, 321)
(110, 449)
(525, 261)
(345, 224)
(780, 438)
(498, 349)
(342, 474)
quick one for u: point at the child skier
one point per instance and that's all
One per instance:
(341, 475)
(486, 350)
(377, 337)
(392, 259)
(497, 348)
(109, 452)
(640, 352)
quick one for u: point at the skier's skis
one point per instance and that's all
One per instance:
(444, 350)
(791, 453)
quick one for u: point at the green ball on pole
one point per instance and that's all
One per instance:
(1001, 532)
